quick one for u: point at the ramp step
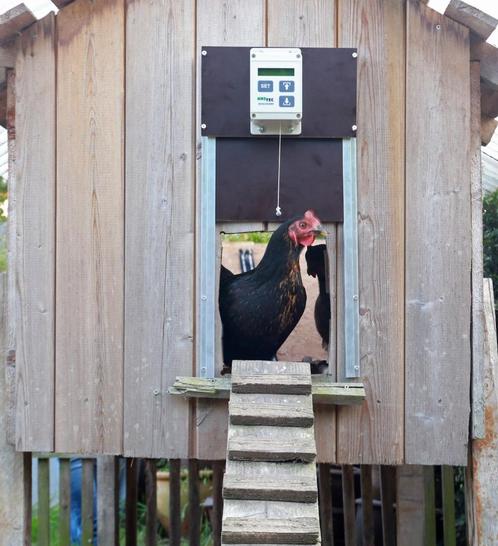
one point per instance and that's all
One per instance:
(270, 531)
(271, 377)
(292, 410)
(292, 490)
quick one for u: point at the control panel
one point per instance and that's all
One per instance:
(276, 98)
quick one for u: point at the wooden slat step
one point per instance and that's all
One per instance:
(295, 489)
(268, 443)
(271, 377)
(291, 410)
(270, 531)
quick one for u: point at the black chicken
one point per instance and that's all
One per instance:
(315, 259)
(261, 307)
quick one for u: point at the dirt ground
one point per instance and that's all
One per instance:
(304, 340)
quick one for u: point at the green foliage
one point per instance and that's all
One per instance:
(490, 238)
(252, 237)
(3, 254)
(3, 198)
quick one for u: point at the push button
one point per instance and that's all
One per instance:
(286, 101)
(286, 86)
(265, 86)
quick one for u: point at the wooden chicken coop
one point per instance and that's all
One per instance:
(104, 131)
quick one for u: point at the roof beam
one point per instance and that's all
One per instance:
(13, 21)
(488, 127)
(488, 56)
(475, 19)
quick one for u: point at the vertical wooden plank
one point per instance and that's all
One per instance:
(43, 502)
(175, 515)
(367, 505)
(438, 241)
(410, 502)
(305, 23)
(448, 495)
(90, 214)
(194, 503)
(429, 506)
(348, 505)
(131, 502)
(15, 477)
(159, 267)
(477, 254)
(151, 503)
(107, 501)
(325, 504)
(64, 502)
(220, 23)
(217, 514)
(388, 497)
(373, 432)
(87, 501)
(35, 241)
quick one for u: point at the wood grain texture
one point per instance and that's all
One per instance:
(64, 502)
(108, 500)
(159, 265)
(478, 21)
(373, 433)
(410, 505)
(15, 20)
(220, 23)
(325, 505)
(266, 531)
(35, 241)
(438, 241)
(348, 503)
(90, 217)
(477, 256)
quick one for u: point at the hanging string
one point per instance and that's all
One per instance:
(278, 210)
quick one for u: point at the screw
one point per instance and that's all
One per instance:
(355, 297)
(298, 56)
(356, 367)
(253, 115)
(204, 298)
(261, 129)
(438, 27)
(354, 127)
(298, 116)
(204, 52)
(155, 392)
(355, 54)
(253, 55)
(203, 125)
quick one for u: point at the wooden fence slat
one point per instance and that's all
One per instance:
(151, 503)
(217, 513)
(448, 495)
(429, 506)
(348, 505)
(438, 239)
(108, 501)
(131, 502)
(64, 502)
(87, 504)
(325, 504)
(175, 515)
(388, 497)
(35, 242)
(194, 503)
(367, 505)
(159, 216)
(410, 506)
(373, 433)
(43, 502)
(220, 23)
(90, 234)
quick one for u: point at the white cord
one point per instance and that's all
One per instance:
(278, 210)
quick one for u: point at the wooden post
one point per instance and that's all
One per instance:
(217, 515)
(194, 503)
(64, 502)
(448, 495)
(131, 502)
(388, 494)
(107, 501)
(175, 516)
(367, 505)
(325, 504)
(151, 502)
(87, 502)
(348, 503)
(44, 502)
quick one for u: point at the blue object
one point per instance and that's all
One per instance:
(265, 86)
(286, 101)
(286, 86)
(76, 477)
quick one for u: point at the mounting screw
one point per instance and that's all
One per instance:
(203, 125)
(354, 127)
(298, 116)
(155, 392)
(253, 55)
(253, 115)
(261, 129)
(356, 367)
(355, 297)
(204, 52)
(298, 56)
(438, 27)
(355, 54)
(204, 298)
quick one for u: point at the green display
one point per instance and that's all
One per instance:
(275, 72)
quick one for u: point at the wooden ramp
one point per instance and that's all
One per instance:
(270, 490)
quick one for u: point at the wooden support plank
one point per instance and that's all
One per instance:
(87, 505)
(325, 504)
(43, 502)
(64, 502)
(194, 503)
(410, 506)
(271, 377)
(217, 513)
(175, 513)
(480, 22)
(107, 501)
(150, 503)
(220, 23)
(35, 241)
(349, 506)
(488, 128)
(477, 394)
(14, 21)
(90, 234)
(159, 255)
(388, 498)
(374, 433)
(487, 55)
(8, 54)
(429, 506)
(368, 532)
(489, 95)
(438, 201)
(448, 496)
(131, 502)
(268, 531)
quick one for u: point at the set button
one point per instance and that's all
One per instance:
(265, 86)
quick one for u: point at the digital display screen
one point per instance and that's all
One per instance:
(275, 72)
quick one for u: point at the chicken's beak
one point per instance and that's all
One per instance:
(320, 230)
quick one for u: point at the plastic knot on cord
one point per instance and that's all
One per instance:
(278, 211)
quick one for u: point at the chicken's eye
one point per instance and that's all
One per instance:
(302, 225)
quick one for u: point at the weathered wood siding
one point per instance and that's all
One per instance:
(113, 286)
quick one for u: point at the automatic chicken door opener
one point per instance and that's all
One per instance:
(297, 104)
